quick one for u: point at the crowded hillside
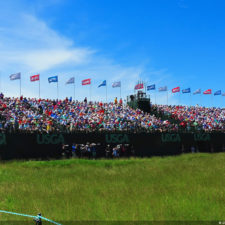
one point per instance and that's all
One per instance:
(44, 115)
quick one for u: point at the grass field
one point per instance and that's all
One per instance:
(186, 187)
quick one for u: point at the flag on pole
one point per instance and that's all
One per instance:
(139, 86)
(15, 76)
(34, 78)
(163, 88)
(151, 87)
(102, 84)
(208, 92)
(116, 84)
(198, 91)
(218, 92)
(53, 79)
(187, 90)
(71, 81)
(86, 81)
(176, 89)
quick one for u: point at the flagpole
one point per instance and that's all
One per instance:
(120, 89)
(155, 96)
(106, 92)
(74, 89)
(190, 99)
(1, 81)
(57, 90)
(201, 99)
(167, 97)
(211, 100)
(90, 91)
(39, 87)
(20, 85)
(179, 97)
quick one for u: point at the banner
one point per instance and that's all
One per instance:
(176, 89)
(198, 91)
(208, 92)
(102, 84)
(151, 87)
(34, 78)
(15, 76)
(163, 88)
(187, 90)
(218, 92)
(139, 86)
(116, 84)
(71, 81)
(53, 79)
(86, 81)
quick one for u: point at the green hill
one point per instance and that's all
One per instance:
(187, 187)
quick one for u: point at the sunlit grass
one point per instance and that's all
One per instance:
(186, 187)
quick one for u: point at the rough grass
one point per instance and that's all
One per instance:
(188, 187)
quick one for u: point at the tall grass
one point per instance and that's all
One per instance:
(187, 187)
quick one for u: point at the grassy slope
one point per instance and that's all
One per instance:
(187, 187)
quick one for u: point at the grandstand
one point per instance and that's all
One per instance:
(44, 115)
(25, 123)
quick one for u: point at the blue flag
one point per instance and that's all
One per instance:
(187, 90)
(163, 88)
(53, 79)
(102, 84)
(71, 81)
(151, 87)
(218, 92)
(15, 76)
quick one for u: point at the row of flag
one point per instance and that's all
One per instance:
(33, 78)
(177, 89)
(118, 84)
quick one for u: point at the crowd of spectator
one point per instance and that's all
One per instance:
(96, 150)
(195, 117)
(44, 115)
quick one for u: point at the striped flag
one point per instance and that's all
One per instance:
(162, 88)
(34, 78)
(198, 91)
(176, 89)
(116, 84)
(15, 76)
(208, 92)
(86, 81)
(71, 81)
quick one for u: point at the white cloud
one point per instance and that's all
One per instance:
(28, 45)
(33, 46)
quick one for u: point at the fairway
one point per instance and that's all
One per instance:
(187, 187)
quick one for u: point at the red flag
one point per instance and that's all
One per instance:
(86, 82)
(176, 89)
(208, 92)
(34, 78)
(139, 86)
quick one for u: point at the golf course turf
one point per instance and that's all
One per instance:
(189, 187)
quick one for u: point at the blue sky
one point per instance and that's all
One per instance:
(173, 43)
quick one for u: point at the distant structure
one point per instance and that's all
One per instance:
(140, 101)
